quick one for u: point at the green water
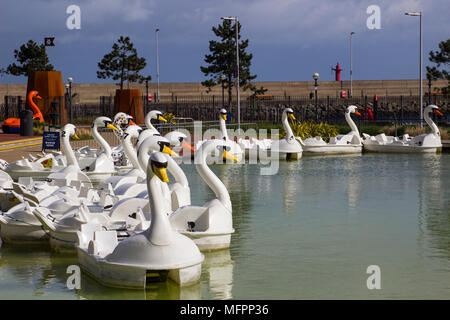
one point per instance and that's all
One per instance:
(309, 232)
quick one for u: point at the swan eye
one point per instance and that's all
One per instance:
(223, 148)
(158, 164)
(163, 144)
(180, 139)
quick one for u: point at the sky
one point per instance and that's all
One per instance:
(290, 39)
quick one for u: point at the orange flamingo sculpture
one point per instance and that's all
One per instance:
(12, 125)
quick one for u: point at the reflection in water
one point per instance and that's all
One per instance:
(42, 270)
(169, 290)
(34, 267)
(238, 179)
(217, 274)
(294, 238)
(353, 167)
(434, 207)
(290, 183)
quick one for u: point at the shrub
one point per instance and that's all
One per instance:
(310, 129)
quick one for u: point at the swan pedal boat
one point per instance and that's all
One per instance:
(287, 148)
(341, 144)
(156, 254)
(233, 147)
(424, 143)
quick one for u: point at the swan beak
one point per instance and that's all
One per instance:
(186, 145)
(170, 151)
(291, 116)
(227, 155)
(110, 126)
(161, 118)
(356, 112)
(161, 173)
(438, 112)
(224, 117)
(131, 122)
(38, 96)
(75, 136)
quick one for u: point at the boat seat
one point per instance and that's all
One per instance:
(87, 233)
(26, 181)
(406, 137)
(106, 242)
(381, 137)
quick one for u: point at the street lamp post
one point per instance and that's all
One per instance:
(238, 97)
(316, 77)
(157, 64)
(70, 98)
(351, 72)
(146, 96)
(429, 91)
(222, 79)
(419, 14)
(67, 95)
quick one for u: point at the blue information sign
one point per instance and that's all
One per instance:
(50, 140)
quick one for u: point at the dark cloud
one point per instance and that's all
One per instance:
(290, 39)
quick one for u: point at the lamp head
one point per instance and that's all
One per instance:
(414, 14)
(315, 76)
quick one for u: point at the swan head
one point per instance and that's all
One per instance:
(133, 131)
(210, 146)
(156, 144)
(144, 134)
(288, 112)
(223, 114)
(154, 115)
(176, 138)
(103, 122)
(433, 109)
(70, 130)
(353, 109)
(157, 165)
(34, 94)
(122, 120)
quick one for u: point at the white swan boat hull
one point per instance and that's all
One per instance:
(332, 149)
(127, 276)
(400, 148)
(209, 241)
(21, 233)
(36, 175)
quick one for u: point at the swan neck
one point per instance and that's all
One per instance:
(68, 151)
(131, 152)
(287, 126)
(213, 181)
(160, 231)
(177, 172)
(101, 141)
(143, 159)
(223, 129)
(149, 124)
(351, 123)
(430, 122)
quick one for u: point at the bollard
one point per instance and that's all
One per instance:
(26, 123)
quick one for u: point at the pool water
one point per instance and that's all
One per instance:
(308, 232)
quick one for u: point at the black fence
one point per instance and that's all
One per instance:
(399, 109)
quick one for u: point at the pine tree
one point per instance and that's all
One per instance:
(122, 63)
(222, 60)
(441, 57)
(30, 57)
